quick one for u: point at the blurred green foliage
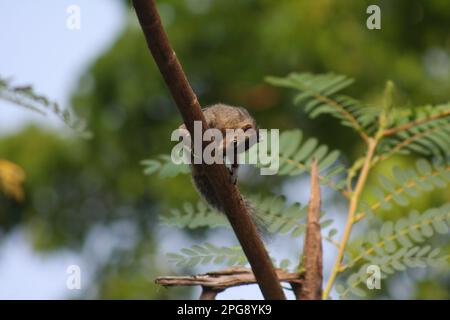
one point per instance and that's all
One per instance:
(227, 48)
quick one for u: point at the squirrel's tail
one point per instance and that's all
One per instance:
(203, 186)
(260, 223)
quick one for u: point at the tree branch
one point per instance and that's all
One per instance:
(312, 249)
(209, 294)
(217, 174)
(220, 280)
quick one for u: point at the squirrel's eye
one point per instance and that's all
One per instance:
(247, 127)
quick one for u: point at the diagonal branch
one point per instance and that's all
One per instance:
(354, 200)
(217, 174)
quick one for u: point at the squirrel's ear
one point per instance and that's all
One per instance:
(211, 120)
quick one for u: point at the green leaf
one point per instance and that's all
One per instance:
(396, 241)
(319, 95)
(408, 183)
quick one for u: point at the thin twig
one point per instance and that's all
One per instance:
(372, 143)
(346, 114)
(217, 174)
(409, 125)
(403, 144)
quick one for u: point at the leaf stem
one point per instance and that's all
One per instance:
(409, 125)
(372, 143)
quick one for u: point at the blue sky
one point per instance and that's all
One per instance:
(37, 48)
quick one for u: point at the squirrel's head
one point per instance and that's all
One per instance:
(238, 128)
(247, 131)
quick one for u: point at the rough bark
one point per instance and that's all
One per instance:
(218, 175)
(312, 250)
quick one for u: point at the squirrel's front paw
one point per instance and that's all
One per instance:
(233, 176)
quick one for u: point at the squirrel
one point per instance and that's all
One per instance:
(222, 117)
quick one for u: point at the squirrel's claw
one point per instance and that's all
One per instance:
(233, 174)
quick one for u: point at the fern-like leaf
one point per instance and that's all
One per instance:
(296, 155)
(425, 131)
(404, 233)
(277, 216)
(164, 166)
(208, 253)
(318, 93)
(193, 216)
(407, 183)
(406, 257)
(404, 119)
(26, 97)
